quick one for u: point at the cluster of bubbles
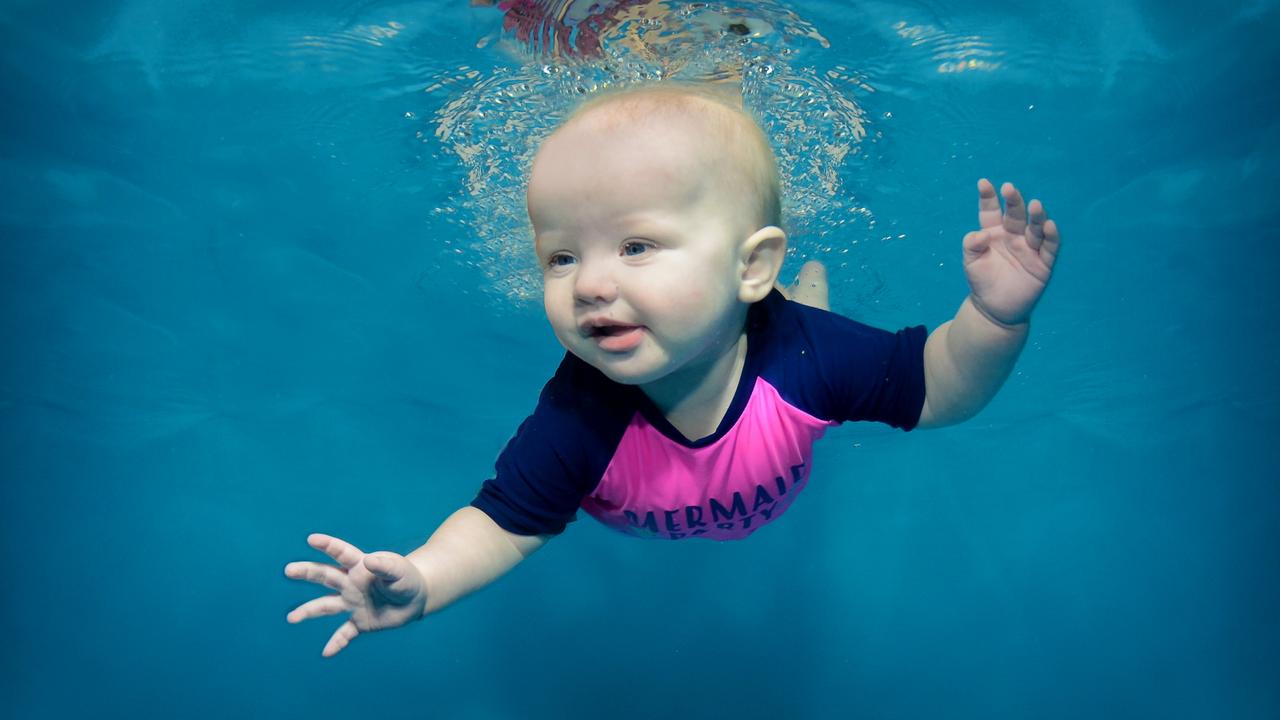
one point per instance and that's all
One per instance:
(495, 124)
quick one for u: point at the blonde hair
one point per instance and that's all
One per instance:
(717, 111)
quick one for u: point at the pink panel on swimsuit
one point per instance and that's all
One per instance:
(657, 488)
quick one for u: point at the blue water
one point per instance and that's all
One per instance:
(240, 305)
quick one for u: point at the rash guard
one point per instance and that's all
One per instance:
(604, 447)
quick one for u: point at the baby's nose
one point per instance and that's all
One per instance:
(594, 283)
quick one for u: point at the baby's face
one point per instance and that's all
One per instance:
(639, 247)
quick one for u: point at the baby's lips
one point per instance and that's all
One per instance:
(592, 328)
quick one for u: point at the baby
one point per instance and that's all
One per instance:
(693, 389)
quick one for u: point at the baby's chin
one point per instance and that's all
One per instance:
(631, 370)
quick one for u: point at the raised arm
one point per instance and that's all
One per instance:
(384, 590)
(1008, 263)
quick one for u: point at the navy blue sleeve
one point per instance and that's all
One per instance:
(839, 369)
(559, 453)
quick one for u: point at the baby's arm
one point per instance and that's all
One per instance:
(966, 360)
(1008, 263)
(468, 551)
(384, 590)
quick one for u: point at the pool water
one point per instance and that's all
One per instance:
(250, 293)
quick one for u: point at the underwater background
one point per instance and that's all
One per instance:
(264, 273)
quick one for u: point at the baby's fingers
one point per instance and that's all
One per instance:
(1049, 249)
(347, 555)
(320, 607)
(1035, 227)
(327, 575)
(340, 639)
(988, 205)
(1015, 213)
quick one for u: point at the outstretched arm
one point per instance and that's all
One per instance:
(1008, 263)
(467, 552)
(384, 590)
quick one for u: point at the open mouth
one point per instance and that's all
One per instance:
(616, 337)
(610, 330)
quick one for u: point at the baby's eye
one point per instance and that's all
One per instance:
(560, 260)
(634, 247)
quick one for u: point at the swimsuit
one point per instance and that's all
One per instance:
(601, 446)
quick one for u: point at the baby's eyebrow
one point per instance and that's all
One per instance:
(646, 221)
(541, 241)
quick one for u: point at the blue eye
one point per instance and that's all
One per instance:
(634, 248)
(560, 260)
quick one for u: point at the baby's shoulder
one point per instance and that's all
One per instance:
(787, 325)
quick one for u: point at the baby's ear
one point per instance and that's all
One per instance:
(761, 259)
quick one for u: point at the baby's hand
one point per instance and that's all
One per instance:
(381, 590)
(1008, 262)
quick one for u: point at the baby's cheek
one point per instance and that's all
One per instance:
(559, 316)
(700, 312)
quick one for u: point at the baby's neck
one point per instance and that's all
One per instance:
(695, 399)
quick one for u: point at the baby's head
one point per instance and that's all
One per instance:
(722, 141)
(655, 214)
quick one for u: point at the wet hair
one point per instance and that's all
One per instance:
(752, 167)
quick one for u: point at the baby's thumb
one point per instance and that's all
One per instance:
(394, 573)
(389, 567)
(975, 244)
